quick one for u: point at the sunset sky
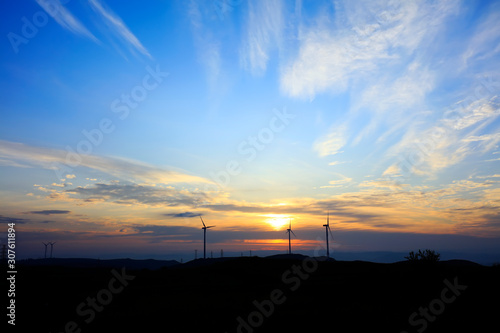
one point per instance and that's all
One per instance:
(124, 121)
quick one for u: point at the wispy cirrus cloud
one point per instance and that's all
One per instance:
(343, 181)
(118, 27)
(113, 22)
(332, 142)
(208, 47)
(484, 36)
(263, 34)
(360, 41)
(65, 19)
(394, 101)
(462, 132)
(381, 57)
(376, 54)
(128, 169)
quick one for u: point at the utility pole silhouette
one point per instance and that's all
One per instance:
(221, 253)
(195, 254)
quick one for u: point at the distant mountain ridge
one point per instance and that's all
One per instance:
(155, 264)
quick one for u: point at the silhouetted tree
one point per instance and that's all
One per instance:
(425, 256)
(412, 256)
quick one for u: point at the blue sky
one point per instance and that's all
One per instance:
(125, 121)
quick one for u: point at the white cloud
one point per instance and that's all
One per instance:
(395, 102)
(430, 148)
(30, 156)
(383, 183)
(116, 24)
(264, 32)
(336, 163)
(374, 53)
(485, 35)
(208, 47)
(65, 19)
(138, 194)
(6, 162)
(399, 94)
(364, 40)
(342, 181)
(488, 176)
(391, 171)
(468, 113)
(331, 143)
(486, 142)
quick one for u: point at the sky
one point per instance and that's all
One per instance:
(124, 122)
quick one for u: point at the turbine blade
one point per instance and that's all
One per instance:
(202, 221)
(331, 234)
(293, 233)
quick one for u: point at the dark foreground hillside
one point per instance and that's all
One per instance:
(260, 295)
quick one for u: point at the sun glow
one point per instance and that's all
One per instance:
(277, 221)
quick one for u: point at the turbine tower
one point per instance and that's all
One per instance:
(205, 237)
(327, 230)
(45, 249)
(51, 247)
(290, 231)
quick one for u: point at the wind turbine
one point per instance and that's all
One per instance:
(327, 229)
(51, 247)
(205, 237)
(45, 248)
(290, 231)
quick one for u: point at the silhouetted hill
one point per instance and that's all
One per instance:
(206, 262)
(459, 262)
(293, 256)
(254, 294)
(107, 263)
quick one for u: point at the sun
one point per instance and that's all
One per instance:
(277, 221)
